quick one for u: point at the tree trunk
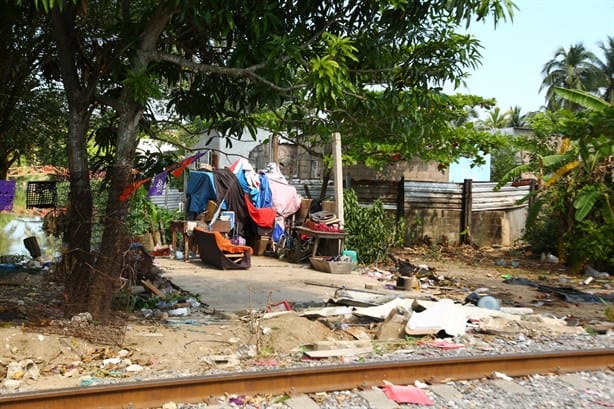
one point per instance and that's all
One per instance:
(77, 259)
(115, 238)
(4, 166)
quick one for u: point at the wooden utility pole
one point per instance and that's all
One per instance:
(465, 234)
(338, 170)
(275, 149)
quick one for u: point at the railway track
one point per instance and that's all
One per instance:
(155, 393)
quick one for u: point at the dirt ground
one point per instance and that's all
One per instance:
(39, 353)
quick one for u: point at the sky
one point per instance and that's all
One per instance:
(515, 52)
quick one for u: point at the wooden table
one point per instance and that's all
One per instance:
(184, 228)
(328, 235)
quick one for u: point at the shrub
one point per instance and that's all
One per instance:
(371, 232)
(591, 243)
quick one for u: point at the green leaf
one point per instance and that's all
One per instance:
(584, 202)
(583, 98)
(552, 160)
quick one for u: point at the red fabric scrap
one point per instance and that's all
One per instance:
(406, 394)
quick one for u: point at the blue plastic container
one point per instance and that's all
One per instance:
(352, 254)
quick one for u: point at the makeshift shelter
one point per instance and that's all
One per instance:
(258, 199)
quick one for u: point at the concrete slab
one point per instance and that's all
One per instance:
(301, 402)
(510, 387)
(576, 381)
(235, 290)
(447, 392)
(378, 399)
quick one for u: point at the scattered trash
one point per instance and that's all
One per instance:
(280, 306)
(11, 384)
(473, 298)
(442, 343)
(592, 272)
(179, 312)
(147, 313)
(88, 380)
(549, 258)
(22, 370)
(490, 303)
(110, 361)
(569, 294)
(237, 400)
(500, 375)
(267, 362)
(134, 368)
(82, 317)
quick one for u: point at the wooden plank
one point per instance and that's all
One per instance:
(151, 287)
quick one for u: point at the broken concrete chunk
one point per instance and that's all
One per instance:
(358, 333)
(327, 349)
(394, 325)
(534, 325)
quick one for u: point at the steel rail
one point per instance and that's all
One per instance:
(155, 393)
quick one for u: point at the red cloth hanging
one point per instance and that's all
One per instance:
(128, 191)
(264, 217)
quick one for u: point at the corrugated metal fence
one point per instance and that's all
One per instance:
(426, 195)
(441, 209)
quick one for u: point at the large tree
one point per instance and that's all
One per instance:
(573, 68)
(370, 70)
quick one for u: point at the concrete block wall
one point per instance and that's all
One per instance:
(503, 227)
(414, 169)
(437, 225)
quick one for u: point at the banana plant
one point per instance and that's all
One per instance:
(592, 151)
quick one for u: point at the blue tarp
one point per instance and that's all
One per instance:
(201, 189)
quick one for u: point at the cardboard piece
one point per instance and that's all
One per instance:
(380, 312)
(443, 315)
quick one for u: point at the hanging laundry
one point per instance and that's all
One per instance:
(7, 194)
(157, 184)
(177, 171)
(128, 191)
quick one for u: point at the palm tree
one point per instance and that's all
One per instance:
(515, 118)
(575, 68)
(606, 66)
(497, 119)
